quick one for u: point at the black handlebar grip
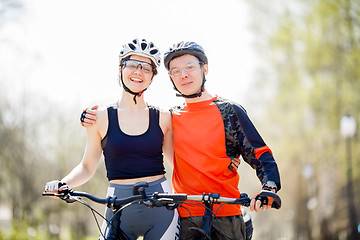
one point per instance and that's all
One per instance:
(269, 198)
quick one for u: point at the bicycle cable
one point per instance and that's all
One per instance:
(93, 211)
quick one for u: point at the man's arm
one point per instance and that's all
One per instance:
(256, 153)
(166, 126)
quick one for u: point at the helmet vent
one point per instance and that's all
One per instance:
(132, 46)
(154, 51)
(143, 46)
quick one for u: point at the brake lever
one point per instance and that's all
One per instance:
(64, 195)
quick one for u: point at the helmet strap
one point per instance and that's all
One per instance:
(194, 95)
(136, 94)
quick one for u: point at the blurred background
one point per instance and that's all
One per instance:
(294, 65)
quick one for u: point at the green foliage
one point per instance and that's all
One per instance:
(314, 51)
(22, 231)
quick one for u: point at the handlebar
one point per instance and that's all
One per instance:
(161, 199)
(69, 196)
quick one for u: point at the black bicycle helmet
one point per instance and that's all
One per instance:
(183, 48)
(141, 48)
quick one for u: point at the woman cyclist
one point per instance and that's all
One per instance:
(132, 136)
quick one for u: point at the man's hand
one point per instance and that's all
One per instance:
(88, 116)
(234, 165)
(256, 204)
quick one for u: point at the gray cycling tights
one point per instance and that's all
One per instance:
(138, 220)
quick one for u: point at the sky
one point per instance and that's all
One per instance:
(67, 51)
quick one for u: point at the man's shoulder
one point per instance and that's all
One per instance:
(226, 104)
(176, 109)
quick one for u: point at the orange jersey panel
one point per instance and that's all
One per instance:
(200, 163)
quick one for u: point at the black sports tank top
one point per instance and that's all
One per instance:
(133, 156)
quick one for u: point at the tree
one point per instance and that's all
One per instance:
(311, 50)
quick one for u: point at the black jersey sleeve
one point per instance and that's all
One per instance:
(253, 149)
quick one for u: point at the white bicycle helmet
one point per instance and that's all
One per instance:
(142, 48)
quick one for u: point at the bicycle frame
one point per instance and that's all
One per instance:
(266, 197)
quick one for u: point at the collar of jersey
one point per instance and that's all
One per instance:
(199, 105)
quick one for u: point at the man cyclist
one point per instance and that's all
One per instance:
(202, 147)
(209, 132)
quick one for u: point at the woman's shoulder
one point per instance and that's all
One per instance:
(101, 124)
(162, 112)
(102, 114)
(165, 114)
(102, 111)
(165, 117)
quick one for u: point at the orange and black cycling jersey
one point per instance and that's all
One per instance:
(207, 135)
